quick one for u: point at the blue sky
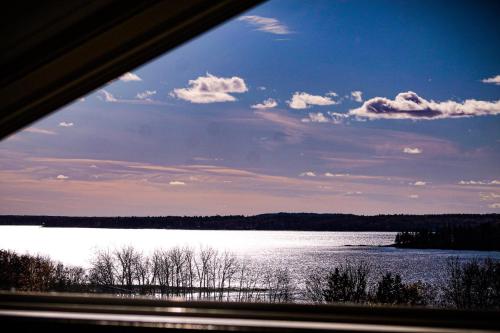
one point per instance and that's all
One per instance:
(325, 106)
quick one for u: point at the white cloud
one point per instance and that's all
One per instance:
(413, 196)
(329, 174)
(211, 89)
(127, 77)
(65, 124)
(315, 118)
(489, 196)
(357, 96)
(332, 93)
(37, 130)
(145, 94)
(106, 96)
(267, 104)
(319, 117)
(418, 183)
(308, 174)
(479, 182)
(261, 88)
(303, 100)
(266, 24)
(412, 151)
(354, 193)
(409, 105)
(176, 183)
(493, 80)
(140, 98)
(338, 118)
(62, 177)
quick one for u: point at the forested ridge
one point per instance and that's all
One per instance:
(277, 221)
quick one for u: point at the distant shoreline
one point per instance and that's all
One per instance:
(263, 222)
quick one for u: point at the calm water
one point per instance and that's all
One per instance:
(300, 251)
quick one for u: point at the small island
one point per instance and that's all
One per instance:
(482, 237)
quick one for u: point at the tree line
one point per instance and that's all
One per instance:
(208, 274)
(277, 221)
(484, 237)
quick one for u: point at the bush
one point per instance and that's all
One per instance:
(347, 283)
(473, 285)
(391, 290)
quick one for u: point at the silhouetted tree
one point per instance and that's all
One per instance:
(347, 283)
(473, 285)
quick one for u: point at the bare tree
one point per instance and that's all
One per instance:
(161, 270)
(278, 284)
(144, 272)
(126, 258)
(202, 265)
(314, 286)
(189, 270)
(177, 257)
(228, 269)
(103, 269)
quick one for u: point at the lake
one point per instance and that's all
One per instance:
(298, 250)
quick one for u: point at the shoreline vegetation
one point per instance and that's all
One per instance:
(276, 221)
(207, 274)
(483, 237)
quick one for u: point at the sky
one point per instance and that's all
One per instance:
(365, 107)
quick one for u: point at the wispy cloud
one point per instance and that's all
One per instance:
(128, 77)
(492, 80)
(266, 104)
(357, 96)
(266, 24)
(65, 124)
(338, 118)
(489, 196)
(409, 105)
(106, 96)
(136, 188)
(412, 151)
(329, 174)
(62, 177)
(479, 182)
(211, 89)
(315, 117)
(303, 100)
(331, 117)
(308, 174)
(418, 183)
(37, 130)
(142, 98)
(145, 94)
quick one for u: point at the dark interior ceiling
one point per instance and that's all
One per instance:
(56, 51)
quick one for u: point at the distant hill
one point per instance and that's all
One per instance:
(277, 221)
